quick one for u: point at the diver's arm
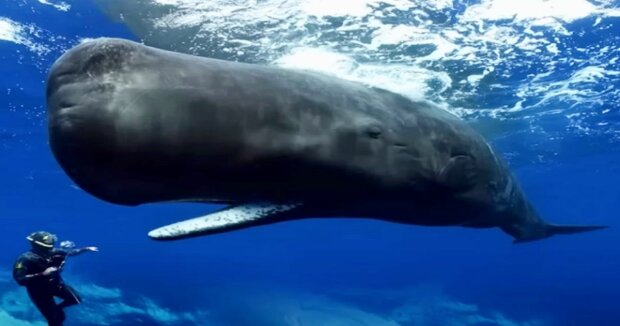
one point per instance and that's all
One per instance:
(23, 276)
(75, 252)
(46, 272)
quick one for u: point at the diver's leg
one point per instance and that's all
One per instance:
(44, 301)
(68, 295)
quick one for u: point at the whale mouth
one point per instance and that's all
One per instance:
(64, 94)
(57, 80)
(65, 73)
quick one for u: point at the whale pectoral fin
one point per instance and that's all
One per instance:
(227, 219)
(460, 173)
(527, 233)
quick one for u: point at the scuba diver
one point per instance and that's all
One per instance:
(39, 271)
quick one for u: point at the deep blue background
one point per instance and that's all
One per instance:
(572, 280)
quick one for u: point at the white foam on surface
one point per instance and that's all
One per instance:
(62, 6)
(15, 32)
(410, 81)
(538, 12)
(9, 30)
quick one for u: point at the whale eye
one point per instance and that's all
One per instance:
(373, 132)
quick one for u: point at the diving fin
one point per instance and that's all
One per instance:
(548, 230)
(227, 219)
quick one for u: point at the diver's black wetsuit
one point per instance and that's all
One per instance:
(43, 288)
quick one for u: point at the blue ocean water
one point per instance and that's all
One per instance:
(542, 87)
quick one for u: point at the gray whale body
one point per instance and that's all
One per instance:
(132, 124)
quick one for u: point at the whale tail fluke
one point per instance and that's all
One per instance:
(542, 231)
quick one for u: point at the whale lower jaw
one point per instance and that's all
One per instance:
(228, 219)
